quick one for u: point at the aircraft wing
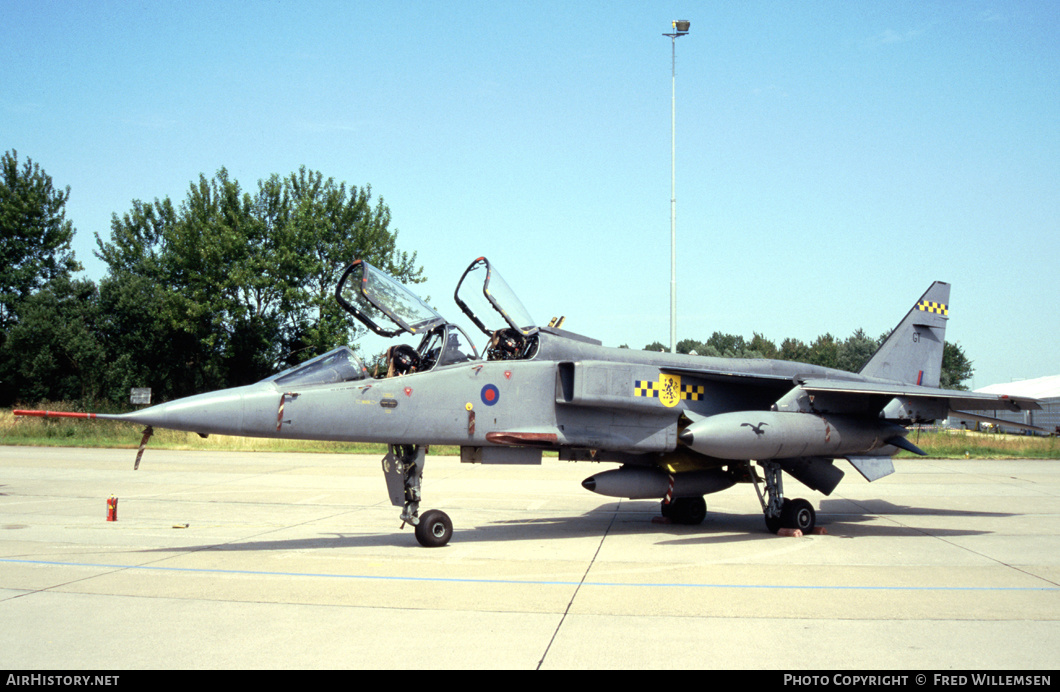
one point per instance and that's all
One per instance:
(894, 400)
(957, 398)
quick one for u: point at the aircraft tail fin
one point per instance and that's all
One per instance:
(912, 354)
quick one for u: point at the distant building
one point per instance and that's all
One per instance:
(1045, 389)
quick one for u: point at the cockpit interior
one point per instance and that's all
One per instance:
(389, 309)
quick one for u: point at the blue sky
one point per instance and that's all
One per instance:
(833, 158)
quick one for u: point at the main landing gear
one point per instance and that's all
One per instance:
(403, 470)
(782, 513)
(688, 511)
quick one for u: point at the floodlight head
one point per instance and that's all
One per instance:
(681, 26)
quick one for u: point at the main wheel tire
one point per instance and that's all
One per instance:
(435, 529)
(798, 514)
(689, 511)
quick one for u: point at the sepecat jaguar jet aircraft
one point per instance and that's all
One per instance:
(678, 426)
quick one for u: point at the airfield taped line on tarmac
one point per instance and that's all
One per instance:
(528, 582)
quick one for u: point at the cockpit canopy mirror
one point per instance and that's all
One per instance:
(373, 297)
(495, 298)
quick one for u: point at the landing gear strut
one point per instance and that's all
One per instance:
(781, 513)
(403, 470)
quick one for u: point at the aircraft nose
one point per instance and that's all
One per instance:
(218, 413)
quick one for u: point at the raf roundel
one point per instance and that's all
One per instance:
(490, 395)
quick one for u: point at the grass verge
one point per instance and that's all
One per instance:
(959, 444)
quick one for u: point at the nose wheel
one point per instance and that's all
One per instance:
(435, 529)
(403, 470)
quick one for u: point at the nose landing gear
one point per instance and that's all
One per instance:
(435, 529)
(403, 470)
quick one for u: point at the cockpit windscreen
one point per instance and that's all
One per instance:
(338, 365)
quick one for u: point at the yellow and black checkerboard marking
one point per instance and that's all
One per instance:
(668, 389)
(646, 388)
(933, 307)
(693, 392)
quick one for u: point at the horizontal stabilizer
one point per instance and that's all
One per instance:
(895, 401)
(995, 421)
(955, 397)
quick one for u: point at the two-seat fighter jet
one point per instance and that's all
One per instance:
(678, 426)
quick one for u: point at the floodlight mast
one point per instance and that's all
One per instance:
(680, 28)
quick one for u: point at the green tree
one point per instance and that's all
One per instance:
(34, 233)
(855, 351)
(727, 345)
(956, 368)
(34, 249)
(824, 351)
(690, 345)
(55, 348)
(322, 227)
(761, 347)
(228, 287)
(850, 354)
(163, 311)
(148, 345)
(794, 349)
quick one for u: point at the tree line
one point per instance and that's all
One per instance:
(224, 288)
(221, 289)
(850, 354)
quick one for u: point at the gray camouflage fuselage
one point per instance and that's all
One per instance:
(681, 426)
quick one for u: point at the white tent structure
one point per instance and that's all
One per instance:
(1045, 389)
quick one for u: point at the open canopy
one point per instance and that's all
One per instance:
(494, 305)
(373, 297)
